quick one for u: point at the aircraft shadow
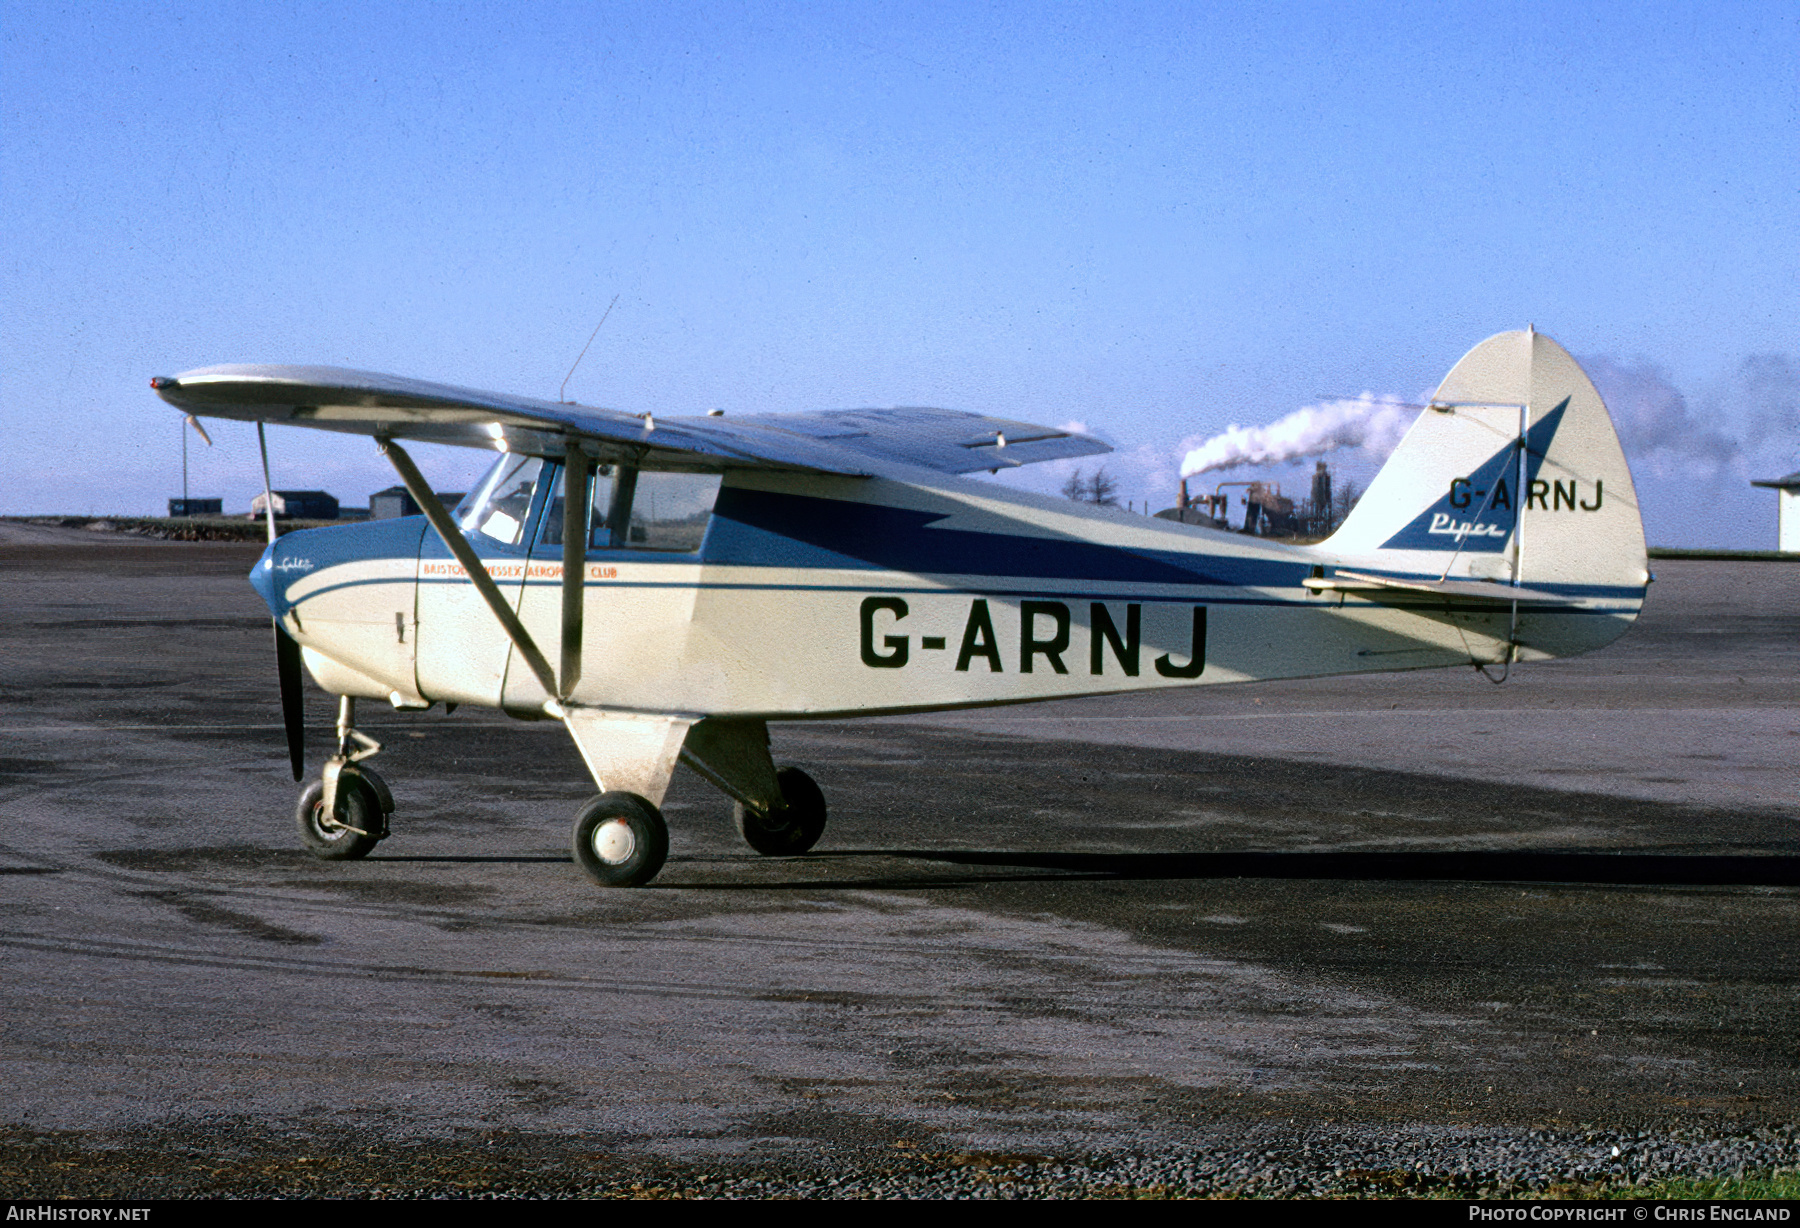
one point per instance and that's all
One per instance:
(1640, 869)
(474, 859)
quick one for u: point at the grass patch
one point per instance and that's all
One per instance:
(1780, 1184)
(1726, 556)
(178, 528)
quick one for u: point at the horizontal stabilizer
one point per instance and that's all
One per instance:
(1482, 591)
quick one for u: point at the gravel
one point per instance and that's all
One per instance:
(216, 1160)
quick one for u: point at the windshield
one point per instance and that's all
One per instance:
(501, 505)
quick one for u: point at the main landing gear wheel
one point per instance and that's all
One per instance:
(788, 831)
(620, 840)
(356, 828)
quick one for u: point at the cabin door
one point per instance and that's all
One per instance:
(462, 648)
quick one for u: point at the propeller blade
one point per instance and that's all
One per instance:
(293, 705)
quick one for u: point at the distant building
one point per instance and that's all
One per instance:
(298, 505)
(390, 503)
(1789, 533)
(196, 507)
(396, 501)
(1191, 515)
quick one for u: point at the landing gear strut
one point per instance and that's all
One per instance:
(790, 830)
(344, 814)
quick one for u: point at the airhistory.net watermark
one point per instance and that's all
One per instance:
(50, 1213)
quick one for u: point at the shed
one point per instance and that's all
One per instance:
(398, 501)
(299, 505)
(196, 507)
(391, 503)
(1789, 539)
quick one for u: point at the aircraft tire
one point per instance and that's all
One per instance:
(620, 840)
(787, 832)
(361, 808)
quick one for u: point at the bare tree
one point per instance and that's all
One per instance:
(1102, 488)
(1344, 500)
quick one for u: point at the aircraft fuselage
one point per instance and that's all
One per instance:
(816, 596)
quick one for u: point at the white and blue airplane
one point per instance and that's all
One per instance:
(712, 574)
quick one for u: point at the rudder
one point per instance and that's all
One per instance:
(1457, 499)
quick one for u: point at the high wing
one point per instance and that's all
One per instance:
(853, 442)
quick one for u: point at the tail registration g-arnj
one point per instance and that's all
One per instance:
(713, 574)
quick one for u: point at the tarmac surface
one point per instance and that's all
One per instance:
(1330, 922)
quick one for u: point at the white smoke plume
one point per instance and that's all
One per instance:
(1369, 422)
(1768, 386)
(1748, 422)
(1659, 430)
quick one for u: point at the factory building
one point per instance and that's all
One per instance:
(1266, 511)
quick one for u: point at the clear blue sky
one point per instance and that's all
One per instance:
(1154, 219)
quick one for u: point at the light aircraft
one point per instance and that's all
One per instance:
(712, 574)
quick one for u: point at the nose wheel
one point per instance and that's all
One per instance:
(791, 830)
(343, 815)
(357, 824)
(620, 840)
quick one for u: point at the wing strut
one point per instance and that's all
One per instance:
(576, 467)
(474, 568)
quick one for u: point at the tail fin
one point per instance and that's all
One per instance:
(1457, 499)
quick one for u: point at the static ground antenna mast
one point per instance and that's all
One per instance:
(584, 350)
(187, 421)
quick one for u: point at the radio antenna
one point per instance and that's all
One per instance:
(584, 350)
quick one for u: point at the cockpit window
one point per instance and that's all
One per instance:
(635, 510)
(502, 504)
(671, 510)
